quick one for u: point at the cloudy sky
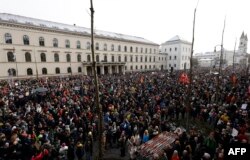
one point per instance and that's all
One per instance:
(155, 20)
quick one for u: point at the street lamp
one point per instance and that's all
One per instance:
(15, 61)
(35, 63)
(221, 57)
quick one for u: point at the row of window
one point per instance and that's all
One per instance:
(29, 71)
(175, 49)
(183, 65)
(136, 67)
(175, 57)
(11, 58)
(26, 41)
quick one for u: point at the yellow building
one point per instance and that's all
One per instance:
(33, 47)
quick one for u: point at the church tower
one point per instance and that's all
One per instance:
(243, 43)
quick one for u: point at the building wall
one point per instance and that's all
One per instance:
(18, 31)
(178, 54)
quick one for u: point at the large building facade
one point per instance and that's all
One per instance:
(178, 51)
(230, 57)
(36, 48)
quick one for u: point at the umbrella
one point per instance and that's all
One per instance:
(40, 90)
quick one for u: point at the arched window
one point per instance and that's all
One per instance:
(88, 58)
(41, 41)
(69, 69)
(112, 47)
(113, 58)
(131, 49)
(26, 40)
(29, 72)
(96, 46)
(105, 47)
(68, 58)
(136, 67)
(57, 70)
(105, 58)
(43, 57)
(125, 48)
(125, 58)
(79, 69)
(79, 58)
(27, 57)
(12, 72)
(78, 44)
(44, 71)
(88, 45)
(11, 57)
(119, 58)
(67, 43)
(97, 58)
(55, 42)
(8, 38)
(56, 57)
(131, 58)
(119, 48)
(131, 67)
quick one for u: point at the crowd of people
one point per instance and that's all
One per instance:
(57, 117)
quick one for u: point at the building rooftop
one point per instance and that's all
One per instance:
(177, 38)
(66, 27)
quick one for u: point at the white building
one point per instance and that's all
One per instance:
(33, 47)
(238, 57)
(178, 51)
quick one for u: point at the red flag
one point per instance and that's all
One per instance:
(234, 79)
(184, 78)
(142, 79)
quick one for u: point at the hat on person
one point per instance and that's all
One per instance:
(206, 155)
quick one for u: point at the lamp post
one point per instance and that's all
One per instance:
(35, 63)
(221, 57)
(15, 61)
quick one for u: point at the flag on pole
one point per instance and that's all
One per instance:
(184, 78)
(141, 79)
(233, 79)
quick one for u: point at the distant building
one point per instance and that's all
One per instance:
(238, 57)
(178, 51)
(33, 47)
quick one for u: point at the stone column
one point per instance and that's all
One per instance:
(110, 69)
(116, 69)
(84, 70)
(123, 70)
(102, 70)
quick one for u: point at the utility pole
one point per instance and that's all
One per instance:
(221, 61)
(221, 51)
(99, 107)
(234, 55)
(190, 73)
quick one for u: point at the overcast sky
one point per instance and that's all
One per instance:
(155, 20)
